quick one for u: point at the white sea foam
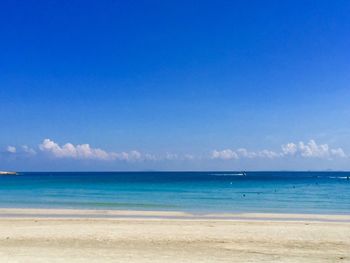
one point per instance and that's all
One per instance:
(235, 174)
(338, 177)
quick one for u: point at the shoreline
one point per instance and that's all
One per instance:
(47, 213)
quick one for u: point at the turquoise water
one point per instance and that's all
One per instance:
(197, 192)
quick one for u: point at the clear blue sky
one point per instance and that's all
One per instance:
(183, 83)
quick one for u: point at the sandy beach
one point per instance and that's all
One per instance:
(34, 235)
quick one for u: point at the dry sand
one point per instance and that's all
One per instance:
(135, 236)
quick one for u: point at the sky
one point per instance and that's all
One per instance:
(174, 85)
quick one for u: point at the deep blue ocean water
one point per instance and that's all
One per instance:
(197, 192)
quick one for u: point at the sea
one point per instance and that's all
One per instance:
(195, 192)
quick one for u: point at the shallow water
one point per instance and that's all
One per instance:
(197, 192)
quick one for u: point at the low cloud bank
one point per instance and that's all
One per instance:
(85, 151)
(301, 149)
(22, 150)
(52, 149)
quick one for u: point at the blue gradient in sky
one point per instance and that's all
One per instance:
(174, 76)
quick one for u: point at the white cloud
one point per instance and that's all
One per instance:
(229, 154)
(22, 151)
(268, 154)
(305, 150)
(242, 152)
(312, 150)
(126, 156)
(27, 150)
(85, 151)
(224, 154)
(68, 150)
(289, 149)
(338, 153)
(171, 156)
(11, 149)
(174, 156)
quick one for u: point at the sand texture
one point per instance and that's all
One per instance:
(62, 239)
